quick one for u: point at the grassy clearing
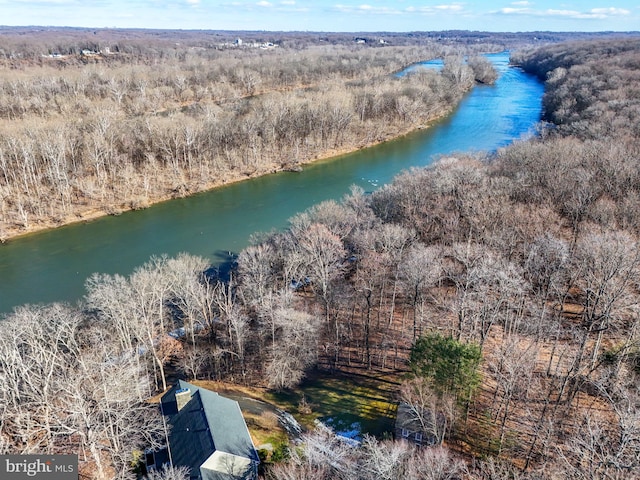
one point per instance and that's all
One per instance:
(264, 428)
(344, 398)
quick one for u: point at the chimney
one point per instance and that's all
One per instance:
(183, 396)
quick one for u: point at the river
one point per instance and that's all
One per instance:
(53, 265)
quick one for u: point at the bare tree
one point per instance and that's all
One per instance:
(608, 275)
(435, 464)
(512, 368)
(368, 284)
(321, 255)
(138, 308)
(70, 389)
(295, 348)
(256, 272)
(420, 269)
(191, 292)
(435, 413)
(602, 449)
(460, 74)
(169, 473)
(322, 455)
(483, 69)
(384, 460)
(546, 266)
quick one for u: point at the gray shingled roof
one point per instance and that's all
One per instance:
(207, 423)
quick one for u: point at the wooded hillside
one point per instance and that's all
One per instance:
(87, 129)
(530, 254)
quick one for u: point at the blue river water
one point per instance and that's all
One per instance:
(53, 265)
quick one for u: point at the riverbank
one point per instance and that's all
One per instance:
(87, 213)
(83, 143)
(53, 265)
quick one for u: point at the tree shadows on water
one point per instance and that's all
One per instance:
(224, 263)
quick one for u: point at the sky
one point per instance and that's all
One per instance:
(329, 15)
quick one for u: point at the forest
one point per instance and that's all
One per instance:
(96, 126)
(96, 122)
(523, 263)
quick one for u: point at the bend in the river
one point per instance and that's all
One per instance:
(53, 265)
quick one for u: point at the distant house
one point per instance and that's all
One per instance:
(206, 433)
(360, 40)
(409, 428)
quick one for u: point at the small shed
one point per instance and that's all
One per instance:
(409, 428)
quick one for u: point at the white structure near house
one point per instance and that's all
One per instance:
(408, 427)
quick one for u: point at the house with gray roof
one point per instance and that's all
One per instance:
(206, 433)
(409, 427)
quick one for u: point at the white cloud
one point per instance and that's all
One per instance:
(451, 8)
(560, 13)
(367, 9)
(48, 2)
(610, 11)
(454, 7)
(594, 13)
(264, 3)
(521, 4)
(287, 2)
(193, 2)
(539, 13)
(375, 10)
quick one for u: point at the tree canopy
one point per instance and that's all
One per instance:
(451, 366)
